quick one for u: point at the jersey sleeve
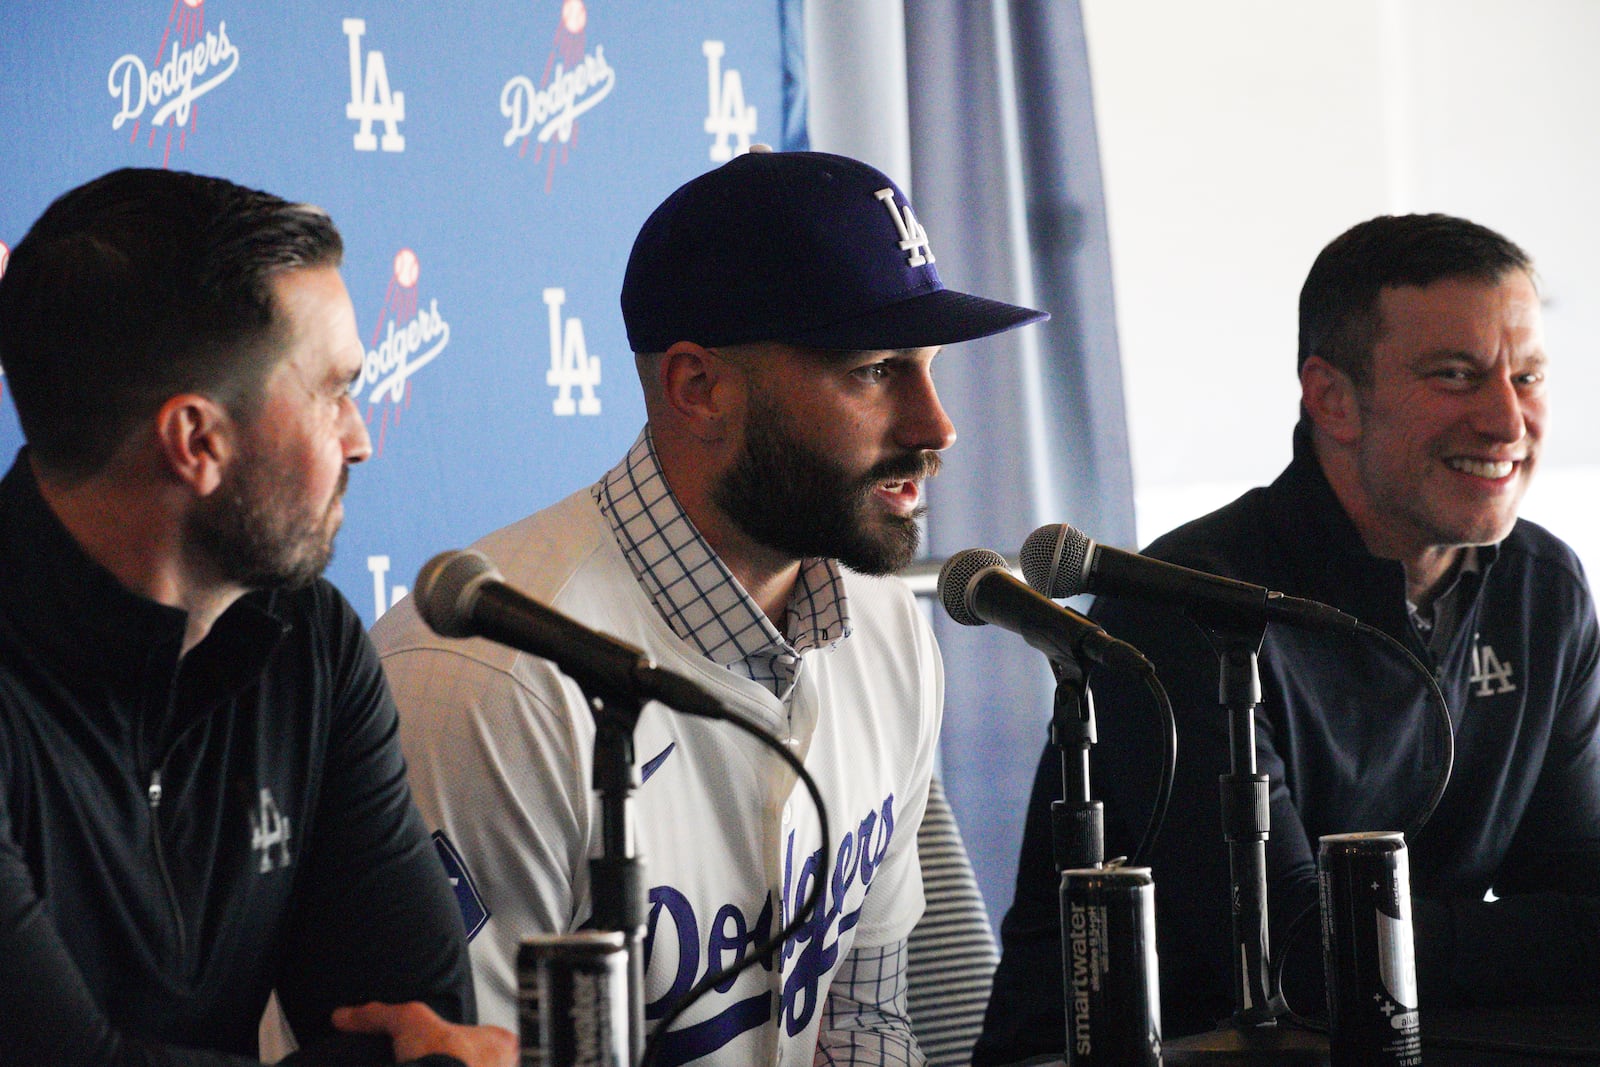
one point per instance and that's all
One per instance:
(501, 775)
(895, 902)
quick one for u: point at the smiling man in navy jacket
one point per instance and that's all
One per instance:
(1422, 372)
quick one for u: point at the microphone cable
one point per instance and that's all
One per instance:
(1169, 767)
(1441, 782)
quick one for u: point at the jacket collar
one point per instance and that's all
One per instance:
(1307, 515)
(59, 605)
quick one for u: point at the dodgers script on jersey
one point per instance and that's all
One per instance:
(685, 940)
(730, 841)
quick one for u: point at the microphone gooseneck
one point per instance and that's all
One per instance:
(1060, 561)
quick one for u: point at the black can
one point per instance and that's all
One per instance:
(1367, 950)
(572, 1000)
(1108, 943)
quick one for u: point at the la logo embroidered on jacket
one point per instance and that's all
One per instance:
(1490, 673)
(269, 831)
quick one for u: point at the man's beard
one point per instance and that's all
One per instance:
(260, 535)
(790, 497)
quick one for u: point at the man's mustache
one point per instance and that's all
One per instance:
(910, 467)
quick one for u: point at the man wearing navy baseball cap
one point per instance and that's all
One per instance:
(785, 311)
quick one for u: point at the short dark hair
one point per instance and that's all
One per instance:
(1339, 319)
(141, 285)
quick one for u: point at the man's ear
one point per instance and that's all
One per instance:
(703, 391)
(1329, 396)
(198, 439)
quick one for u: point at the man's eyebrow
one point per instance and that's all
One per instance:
(1444, 355)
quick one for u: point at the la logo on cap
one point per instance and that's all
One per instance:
(912, 235)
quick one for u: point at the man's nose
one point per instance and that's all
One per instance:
(1498, 413)
(353, 432)
(923, 424)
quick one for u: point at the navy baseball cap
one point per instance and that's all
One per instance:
(807, 248)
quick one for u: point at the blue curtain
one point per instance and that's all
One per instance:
(1006, 177)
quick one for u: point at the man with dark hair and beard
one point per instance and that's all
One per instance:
(786, 312)
(201, 795)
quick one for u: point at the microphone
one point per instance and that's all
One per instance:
(977, 587)
(462, 594)
(1059, 561)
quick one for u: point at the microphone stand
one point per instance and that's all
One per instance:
(1077, 824)
(1252, 1034)
(616, 876)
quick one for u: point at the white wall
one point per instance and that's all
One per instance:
(1240, 136)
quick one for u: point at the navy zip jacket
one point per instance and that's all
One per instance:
(1351, 743)
(180, 836)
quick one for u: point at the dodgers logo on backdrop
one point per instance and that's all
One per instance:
(413, 337)
(197, 61)
(384, 595)
(370, 97)
(575, 80)
(912, 235)
(695, 944)
(571, 365)
(726, 113)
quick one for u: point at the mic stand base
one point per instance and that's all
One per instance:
(1255, 1045)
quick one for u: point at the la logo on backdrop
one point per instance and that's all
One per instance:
(571, 365)
(575, 79)
(190, 61)
(371, 99)
(726, 113)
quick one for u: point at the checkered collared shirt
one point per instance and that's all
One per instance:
(865, 1022)
(696, 593)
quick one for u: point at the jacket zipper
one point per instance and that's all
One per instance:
(154, 794)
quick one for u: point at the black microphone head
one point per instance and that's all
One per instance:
(444, 587)
(956, 575)
(1053, 559)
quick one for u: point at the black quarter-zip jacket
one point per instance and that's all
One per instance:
(181, 835)
(1350, 741)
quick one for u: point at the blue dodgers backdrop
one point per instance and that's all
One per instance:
(488, 164)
